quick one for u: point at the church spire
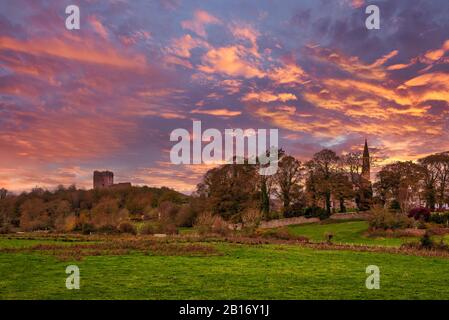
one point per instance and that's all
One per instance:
(366, 150)
(366, 163)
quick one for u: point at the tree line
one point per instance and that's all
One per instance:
(325, 184)
(310, 188)
(72, 209)
(406, 184)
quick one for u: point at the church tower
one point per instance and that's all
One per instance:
(366, 170)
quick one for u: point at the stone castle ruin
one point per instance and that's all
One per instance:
(105, 179)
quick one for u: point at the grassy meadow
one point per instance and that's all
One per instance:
(234, 271)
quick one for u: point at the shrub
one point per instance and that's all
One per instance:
(419, 213)
(316, 212)
(127, 227)
(220, 226)
(294, 210)
(440, 218)
(426, 241)
(148, 228)
(272, 215)
(168, 211)
(282, 233)
(328, 236)
(384, 219)
(251, 219)
(168, 228)
(150, 213)
(87, 228)
(207, 222)
(108, 229)
(395, 205)
(185, 216)
(5, 229)
(107, 215)
(66, 224)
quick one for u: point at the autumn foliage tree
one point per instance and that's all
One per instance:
(323, 172)
(229, 190)
(288, 180)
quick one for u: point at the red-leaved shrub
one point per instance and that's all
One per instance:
(419, 213)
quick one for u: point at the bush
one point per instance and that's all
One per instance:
(107, 229)
(5, 229)
(251, 219)
(419, 213)
(294, 210)
(168, 228)
(385, 219)
(207, 222)
(185, 216)
(66, 224)
(328, 236)
(158, 227)
(87, 228)
(439, 218)
(395, 205)
(147, 228)
(282, 233)
(127, 227)
(107, 215)
(426, 241)
(316, 212)
(272, 215)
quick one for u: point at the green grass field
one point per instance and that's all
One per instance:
(241, 272)
(344, 232)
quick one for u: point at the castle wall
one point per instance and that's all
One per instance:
(103, 179)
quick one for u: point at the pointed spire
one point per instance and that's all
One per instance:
(366, 150)
(366, 162)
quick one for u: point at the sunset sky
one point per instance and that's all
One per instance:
(108, 95)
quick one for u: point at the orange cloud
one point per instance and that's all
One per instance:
(357, 3)
(267, 96)
(353, 65)
(232, 86)
(98, 26)
(183, 45)
(200, 20)
(434, 86)
(77, 49)
(223, 112)
(248, 33)
(288, 74)
(230, 61)
(435, 55)
(19, 178)
(57, 136)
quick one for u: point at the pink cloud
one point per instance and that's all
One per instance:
(230, 61)
(98, 27)
(199, 22)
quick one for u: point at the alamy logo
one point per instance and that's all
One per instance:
(73, 280)
(258, 151)
(373, 280)
(373, 20)
(72, 22)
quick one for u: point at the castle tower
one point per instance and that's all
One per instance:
(366, 170)
(103, 179)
